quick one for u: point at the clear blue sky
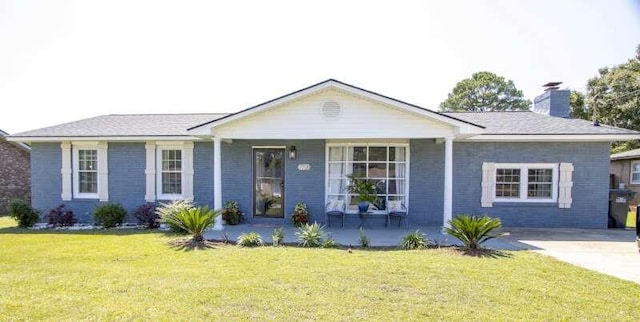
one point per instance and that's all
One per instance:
(66, 60)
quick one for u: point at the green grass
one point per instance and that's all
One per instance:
(110, 275)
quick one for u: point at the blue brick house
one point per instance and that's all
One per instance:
(536, 168)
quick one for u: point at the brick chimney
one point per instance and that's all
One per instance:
(553, 102)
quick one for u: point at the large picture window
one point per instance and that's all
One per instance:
(386, 165)
(526, 182)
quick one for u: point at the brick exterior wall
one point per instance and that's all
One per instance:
(14, 174)
(127, 181)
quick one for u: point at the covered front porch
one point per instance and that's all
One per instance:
(334, 125)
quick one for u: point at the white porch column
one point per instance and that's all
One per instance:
(217, 181)
(448, 181)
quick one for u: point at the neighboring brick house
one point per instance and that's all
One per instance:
(15, 178)
(625, 169)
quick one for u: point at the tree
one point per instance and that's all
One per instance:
(614, 97)
(483, 92)
(578, 106)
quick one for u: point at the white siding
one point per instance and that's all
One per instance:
(360, 118)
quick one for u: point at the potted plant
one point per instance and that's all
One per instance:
(365, 191)
(300, 215)
(231, 213)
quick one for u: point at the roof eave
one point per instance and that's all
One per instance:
(115, 138)
(554, 137)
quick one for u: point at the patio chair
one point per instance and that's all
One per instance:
(396, 209)
(334, 208)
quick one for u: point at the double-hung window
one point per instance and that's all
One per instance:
(89, 170)
(386, 165)
(169, 172)
(526, 182)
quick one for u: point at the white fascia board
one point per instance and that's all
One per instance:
(552, 137)
(102, 138)
(461, 126)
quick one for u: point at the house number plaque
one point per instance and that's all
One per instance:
(304, 167)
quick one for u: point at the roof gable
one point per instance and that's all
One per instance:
(462, 126)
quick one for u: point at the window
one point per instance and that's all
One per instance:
(384, 164)
(635, 173)
(526, 182)
(89, 170)
(170, 173)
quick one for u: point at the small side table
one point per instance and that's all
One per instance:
(364, 219)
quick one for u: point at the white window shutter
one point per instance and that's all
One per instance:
(66, 170)
(150, 172)
(488, 184)
(187, 170)
(103, 171)
(564, 185)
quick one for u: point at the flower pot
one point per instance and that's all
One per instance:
(363, 206)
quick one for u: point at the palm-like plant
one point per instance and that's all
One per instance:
(195, 220)
(310, 235)
(473, 230)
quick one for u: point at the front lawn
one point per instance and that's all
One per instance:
(116, 274)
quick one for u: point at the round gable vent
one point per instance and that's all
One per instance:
(331, 109)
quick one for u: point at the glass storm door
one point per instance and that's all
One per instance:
(268, 182)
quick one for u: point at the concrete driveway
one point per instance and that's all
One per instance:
(608, 251)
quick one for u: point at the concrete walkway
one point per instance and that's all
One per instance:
(608, 251)
(379, 237)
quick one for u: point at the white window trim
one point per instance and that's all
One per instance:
(103, 170)
(186, 172)
(524, 182)
(631, 181)
(377, 143)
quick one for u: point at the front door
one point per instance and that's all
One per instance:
(268, 182)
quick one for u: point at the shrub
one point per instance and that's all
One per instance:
(414, 240)
(61, 216)
(278, 236)
(172, 209)
(195, 221)
(231, 213)
(109, 214)
(364, 240)
(23, 213)
(300, 215)
(251, 239)
(310, 235)
(473, 230)
(146, 215)
(329, 243)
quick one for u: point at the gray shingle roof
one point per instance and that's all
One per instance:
(631, 154)
(527, 122)
(125, 125)
(515, 123)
